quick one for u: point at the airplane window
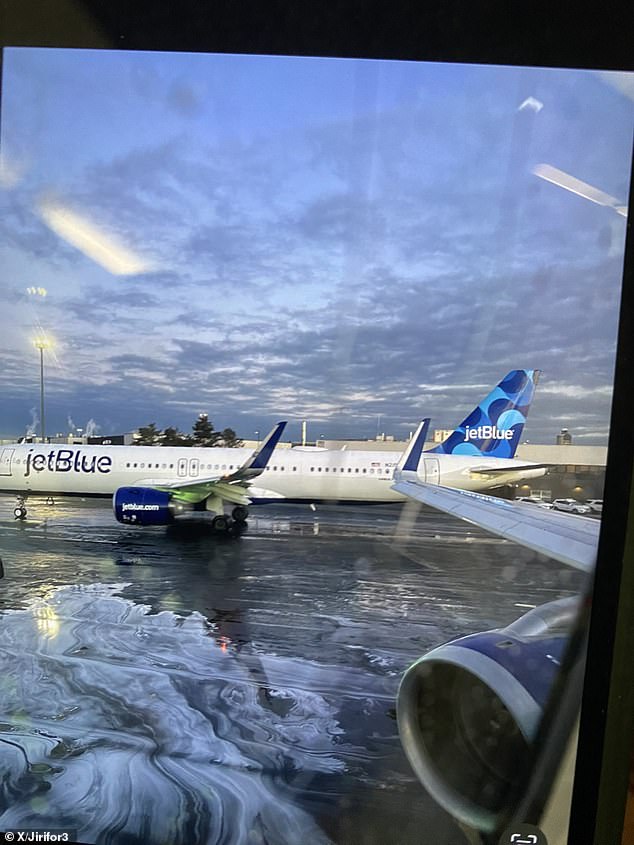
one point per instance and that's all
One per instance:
(444, 242)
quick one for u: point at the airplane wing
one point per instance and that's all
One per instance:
(222, 484)
(570, 539)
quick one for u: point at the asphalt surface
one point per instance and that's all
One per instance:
(164, 685)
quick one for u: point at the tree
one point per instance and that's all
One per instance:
(148, 435)
(173, 437)
(204, 433)
(227, 437)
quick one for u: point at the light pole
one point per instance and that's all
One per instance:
(257, 434)
(42, 344)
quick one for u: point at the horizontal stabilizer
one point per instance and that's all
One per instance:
(484, 470)
(570, 539)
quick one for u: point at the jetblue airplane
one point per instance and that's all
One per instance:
(151, 485)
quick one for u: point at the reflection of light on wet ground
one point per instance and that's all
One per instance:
(46, 620)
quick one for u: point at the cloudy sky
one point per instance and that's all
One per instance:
(355, 243)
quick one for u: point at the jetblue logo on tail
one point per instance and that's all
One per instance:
(495, 426)
(488, 432)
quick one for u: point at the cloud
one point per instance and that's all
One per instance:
(396, 256)
(575, 391)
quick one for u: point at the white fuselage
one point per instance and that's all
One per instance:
(304, 475)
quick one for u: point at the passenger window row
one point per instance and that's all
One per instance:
(363, 470)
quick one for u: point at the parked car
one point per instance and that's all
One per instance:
(570, 505)
(595, 505)
(534, 500)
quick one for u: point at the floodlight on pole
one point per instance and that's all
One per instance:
(42, 343)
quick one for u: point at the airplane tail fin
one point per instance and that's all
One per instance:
(494, 428)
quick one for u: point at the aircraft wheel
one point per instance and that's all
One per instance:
(220, 523)
(238, 528)
(19, 512)
(240, 513)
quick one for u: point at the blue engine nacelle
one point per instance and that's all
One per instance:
(469, 710)
(142, 506)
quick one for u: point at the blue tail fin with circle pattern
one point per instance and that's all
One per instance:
(494, 428)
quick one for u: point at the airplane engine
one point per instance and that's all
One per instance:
(468, 710)
(142, 506)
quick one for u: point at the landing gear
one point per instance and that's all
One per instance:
(237, 528)
(240, 513)
(220, 524)
(19, 512)
(232, 525)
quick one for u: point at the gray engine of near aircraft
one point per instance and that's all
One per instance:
(469, 710)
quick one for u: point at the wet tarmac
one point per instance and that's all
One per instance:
(164, 685)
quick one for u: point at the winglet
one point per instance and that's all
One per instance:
(261, 458)
(410, 458)
(256, 464)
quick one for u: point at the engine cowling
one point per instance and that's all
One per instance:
(469, 710)
(142, 506)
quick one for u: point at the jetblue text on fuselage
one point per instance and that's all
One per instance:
(488, 432)
(67, 460)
